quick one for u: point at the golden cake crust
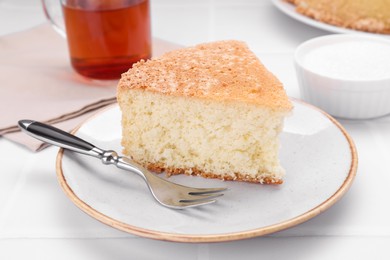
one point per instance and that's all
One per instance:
(159, 168)
(220, 71)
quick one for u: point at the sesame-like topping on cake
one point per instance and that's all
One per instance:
(220, 71)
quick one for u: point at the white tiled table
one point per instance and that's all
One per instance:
(37, 221)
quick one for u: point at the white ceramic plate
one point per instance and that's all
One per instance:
(319, 157)
(289, 10)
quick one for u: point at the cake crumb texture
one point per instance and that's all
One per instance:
(184, 135)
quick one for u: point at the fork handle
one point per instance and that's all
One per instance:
(55, 136)
(58, 137)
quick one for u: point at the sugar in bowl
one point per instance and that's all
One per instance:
(346, 75)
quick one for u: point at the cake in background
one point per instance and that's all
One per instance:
(363, 15)
(211, 110)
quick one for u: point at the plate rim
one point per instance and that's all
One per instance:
(223, 237)
(284, 7)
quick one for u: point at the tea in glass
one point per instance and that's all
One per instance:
(105, 37)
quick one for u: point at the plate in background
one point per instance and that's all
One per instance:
(289, 10)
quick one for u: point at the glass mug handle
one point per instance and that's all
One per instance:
(53, 13)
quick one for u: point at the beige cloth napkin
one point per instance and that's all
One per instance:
(38, 83)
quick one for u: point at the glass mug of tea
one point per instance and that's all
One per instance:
(105, 37)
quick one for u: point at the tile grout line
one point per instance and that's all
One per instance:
(203, 249)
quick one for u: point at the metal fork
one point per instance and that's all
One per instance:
(167, 193)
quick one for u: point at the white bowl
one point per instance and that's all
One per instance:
(347, 75)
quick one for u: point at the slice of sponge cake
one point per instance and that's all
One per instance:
(212, 110)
